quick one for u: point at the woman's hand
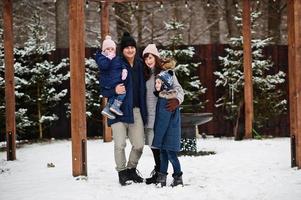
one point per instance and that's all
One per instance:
(120, 89)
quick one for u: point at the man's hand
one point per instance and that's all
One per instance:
(120, 89)
(172, 104)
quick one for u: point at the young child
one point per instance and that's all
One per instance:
(112, 73)
(167, 128)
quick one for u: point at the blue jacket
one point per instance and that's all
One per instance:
(167, 127)
(127, 105)
(110, 70)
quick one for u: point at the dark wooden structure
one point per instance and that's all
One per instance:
(10, 119)
(294, 55)
(77, 52)
(77, 86)
(247, 63)
(107, 131)
(208, 55)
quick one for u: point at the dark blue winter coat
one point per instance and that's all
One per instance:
(167, 127)
(110, 70)
(127, 105)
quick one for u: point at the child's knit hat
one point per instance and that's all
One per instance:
(167, 78)
(151, 48)
(108, 42)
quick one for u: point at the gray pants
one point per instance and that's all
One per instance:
(135, 132)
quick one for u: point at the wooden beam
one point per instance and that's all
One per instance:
(247, 62)
(77, 86)
(107, 131)
(291, 79)
(297, 24)
(127, 1)
(9, 80)
(294, 55)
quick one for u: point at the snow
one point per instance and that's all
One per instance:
(242, 170)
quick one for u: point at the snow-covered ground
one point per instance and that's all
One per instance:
(248, 169)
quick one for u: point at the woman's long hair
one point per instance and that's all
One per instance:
(147, 70)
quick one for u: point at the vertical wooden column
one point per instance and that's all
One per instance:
(247, 62)
(9, 80)
(77, 86)
(107, 131)
(294, 56)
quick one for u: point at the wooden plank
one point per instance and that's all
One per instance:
(291, 60)
(298, 76)
(10, 118)
(294, 54)
(292, 80)
(210, 68)
(124, 1)
(107, 131)
(77, 86)
(247, 62)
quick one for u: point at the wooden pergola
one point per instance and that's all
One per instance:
(77, 82)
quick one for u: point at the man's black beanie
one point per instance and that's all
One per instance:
(127, 40)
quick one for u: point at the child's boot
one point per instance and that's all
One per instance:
(106, 112)
(115, 107)
(177, 180)
(161, 179)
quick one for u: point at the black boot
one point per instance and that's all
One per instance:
(153, 178)
(161, 179)
(134, 176)
(177, 180)
(123, 177)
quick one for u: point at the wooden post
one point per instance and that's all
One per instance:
(9, 80)
(247, 62)
(77, 86)
(107, 131)
(294, 55)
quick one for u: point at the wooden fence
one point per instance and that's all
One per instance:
(210, 63)
(208, 56)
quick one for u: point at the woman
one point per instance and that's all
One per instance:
(131, 123)
(152, 68)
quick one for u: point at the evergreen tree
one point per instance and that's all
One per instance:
(22, 120)
(93, 98)
(92, 90)
(186, 73)
(268, 96)
(40, 80)
(185, 68)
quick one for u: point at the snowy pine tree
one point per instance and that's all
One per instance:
(93, 98)
(186, 74)
(22, 120)
(40, 79)
(185, 68)
(92, 90)
(2, 86)
(268, 96)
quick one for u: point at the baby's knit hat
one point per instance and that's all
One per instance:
(108, 42)
(151, 48)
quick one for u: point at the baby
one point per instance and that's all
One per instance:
(112, 73)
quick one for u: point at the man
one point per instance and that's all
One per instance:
(131, 123)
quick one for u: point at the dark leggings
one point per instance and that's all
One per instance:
(156, 154)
